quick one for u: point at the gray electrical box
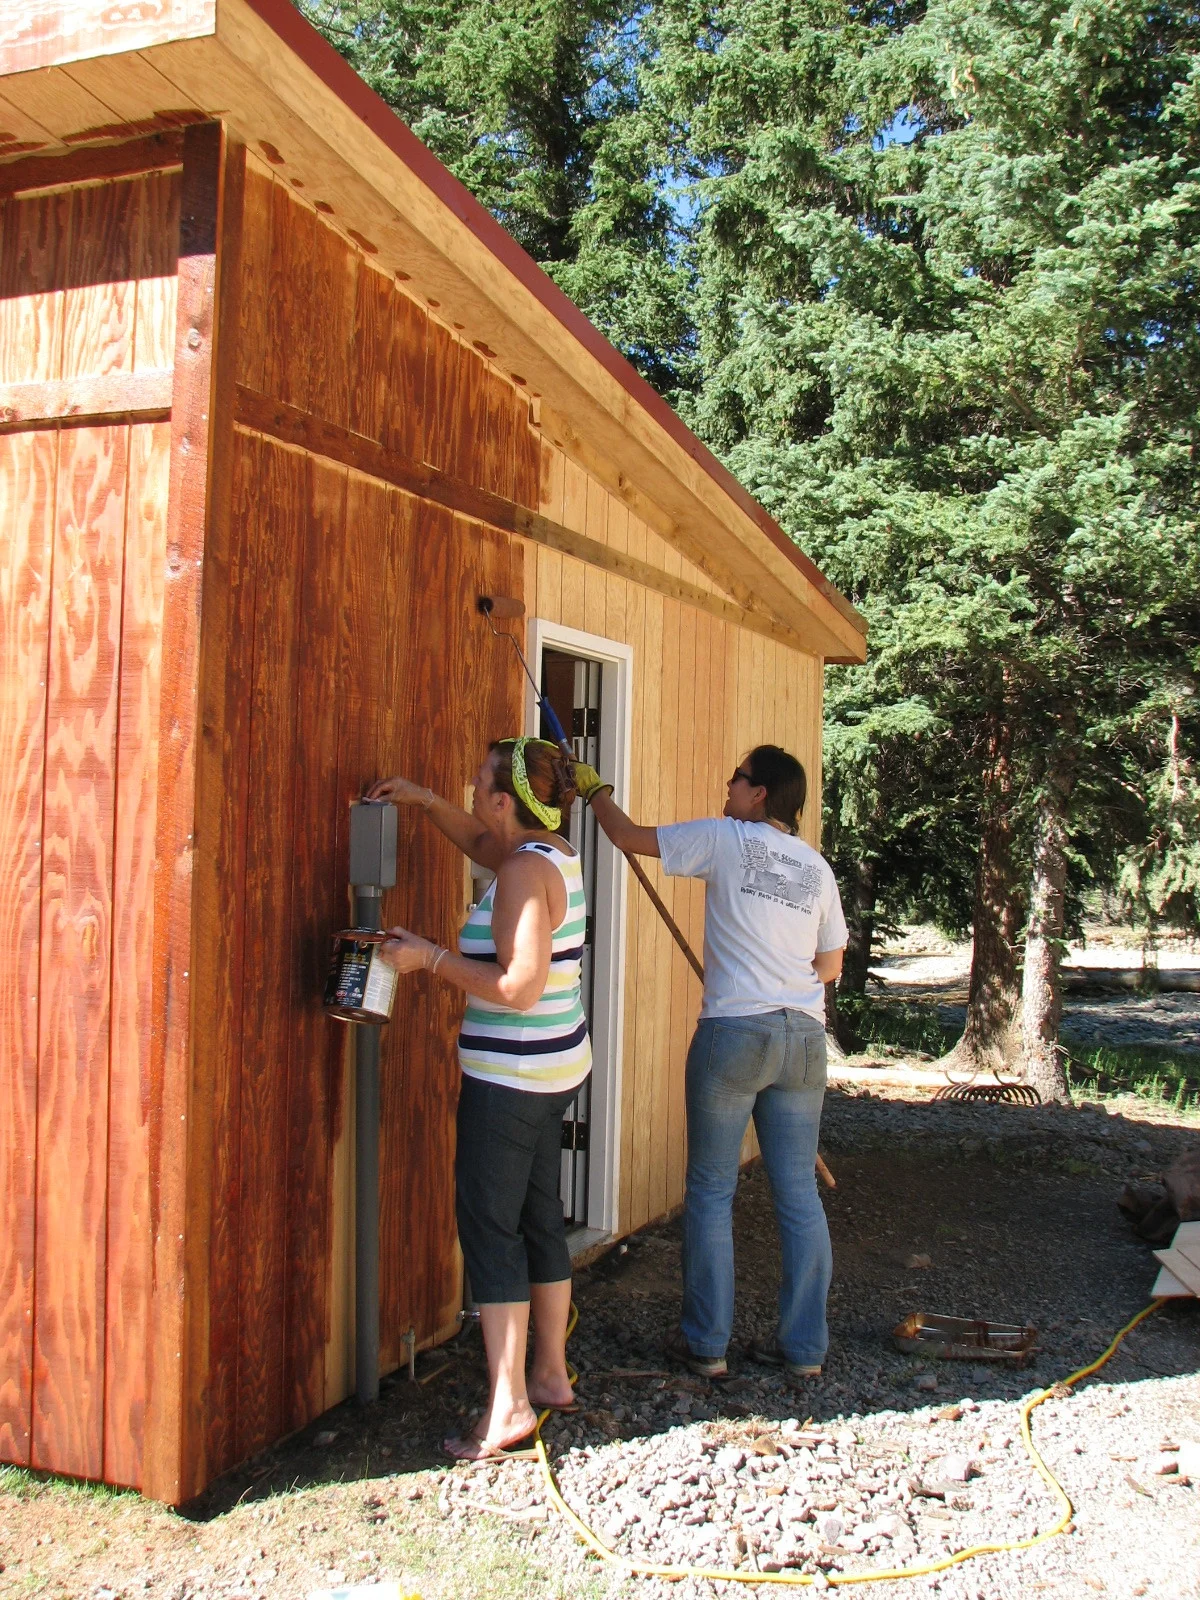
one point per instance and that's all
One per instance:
(373, 843)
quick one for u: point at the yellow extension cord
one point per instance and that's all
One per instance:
(651, 1569)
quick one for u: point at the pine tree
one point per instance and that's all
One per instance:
(535, 106)
(946, 265)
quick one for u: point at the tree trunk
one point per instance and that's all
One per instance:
(860, 921)
(1041, 997)
(991, 1039)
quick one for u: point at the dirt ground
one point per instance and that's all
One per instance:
(1017, 1226)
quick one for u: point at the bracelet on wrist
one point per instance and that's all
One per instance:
(442, 951)
(427, 805)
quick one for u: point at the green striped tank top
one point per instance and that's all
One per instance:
(545, 1049)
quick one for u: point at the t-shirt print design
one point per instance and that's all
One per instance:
(778, 877)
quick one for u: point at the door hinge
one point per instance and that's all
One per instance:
(574, 1135)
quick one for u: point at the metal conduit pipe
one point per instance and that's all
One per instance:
(372, 870)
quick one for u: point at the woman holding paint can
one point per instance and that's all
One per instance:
(774, 936)
(524, 1051)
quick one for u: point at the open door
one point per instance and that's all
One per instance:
(587, 681)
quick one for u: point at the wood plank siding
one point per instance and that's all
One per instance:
(87, 298)
(350, 648)
(251, 485)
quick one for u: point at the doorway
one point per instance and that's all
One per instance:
(572, 685)
(587, 681)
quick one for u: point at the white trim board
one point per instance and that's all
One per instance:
(609, 912)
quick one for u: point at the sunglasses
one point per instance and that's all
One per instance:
(739, 773)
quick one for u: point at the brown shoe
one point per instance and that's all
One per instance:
(768, 1354)
(676, 1345)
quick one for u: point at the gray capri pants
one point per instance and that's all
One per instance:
(506, 1176)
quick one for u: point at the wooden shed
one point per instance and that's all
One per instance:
(278, 400)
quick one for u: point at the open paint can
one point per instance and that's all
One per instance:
(361, 986)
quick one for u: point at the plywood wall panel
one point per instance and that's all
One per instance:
(35, 240)
(288, 353)
(444, 355)
(76, 943)
(253, 344)
(498, 464)
(275, 750)
(381, 587)
(334, 290)
(374, 328)
(128, 1217)
(101, 298)
(471, 419)
(571, 605)
(155, 271)
(528, 479)
(315, 1041)
(446, 741)
(220, 956)
(404, 426)
(408, 381)
(28, 464)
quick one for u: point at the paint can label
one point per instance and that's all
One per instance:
(361, 986)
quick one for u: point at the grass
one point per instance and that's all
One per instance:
(901, 1024)
(110, 1534)
(1169, 1080)
(25, 1484)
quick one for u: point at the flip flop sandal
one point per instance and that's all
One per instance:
(571, 1408)
(514, 1451)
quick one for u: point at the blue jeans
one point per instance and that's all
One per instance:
(770, 1066)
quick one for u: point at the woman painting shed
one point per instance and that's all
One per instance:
(279, 401)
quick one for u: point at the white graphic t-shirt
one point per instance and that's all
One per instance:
(770, 904)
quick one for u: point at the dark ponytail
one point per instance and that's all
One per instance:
(784, 779)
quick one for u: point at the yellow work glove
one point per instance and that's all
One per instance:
(589, 783)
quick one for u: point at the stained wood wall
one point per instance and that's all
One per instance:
(349, 648)
(87, 291)
(338, 643)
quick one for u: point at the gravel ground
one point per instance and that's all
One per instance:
(1002, 1212)
(940, 1207)
(894, 1489)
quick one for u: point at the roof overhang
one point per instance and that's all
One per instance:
(73, 71)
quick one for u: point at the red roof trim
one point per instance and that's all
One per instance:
(316, 52)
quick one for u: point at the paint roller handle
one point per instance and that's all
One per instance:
(556, 727)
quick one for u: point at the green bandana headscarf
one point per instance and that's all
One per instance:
(550, 816)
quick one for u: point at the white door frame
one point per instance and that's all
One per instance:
(608, 1009)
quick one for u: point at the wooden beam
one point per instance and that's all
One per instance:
(222, 774)
(96, 164)
(110, 397)
(174, 1211)
(260, 413)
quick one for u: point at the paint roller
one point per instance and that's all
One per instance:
(505, 608)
